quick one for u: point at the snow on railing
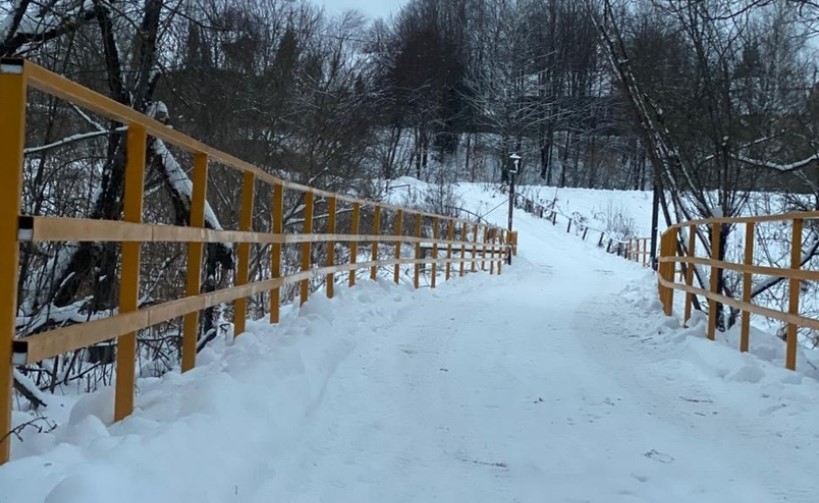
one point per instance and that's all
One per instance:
(454, 243)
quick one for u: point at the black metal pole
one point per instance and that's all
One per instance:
(655, 217)
(511, 208)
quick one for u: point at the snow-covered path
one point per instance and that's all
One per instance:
(513, 390)
(548, 384)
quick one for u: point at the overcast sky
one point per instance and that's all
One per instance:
(371, 8)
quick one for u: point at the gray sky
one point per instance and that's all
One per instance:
(371, 8)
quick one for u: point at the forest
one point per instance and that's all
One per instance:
(705, 101)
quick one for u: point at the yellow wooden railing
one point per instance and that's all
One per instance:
(671, 253)
(475, 242)
(639, 250)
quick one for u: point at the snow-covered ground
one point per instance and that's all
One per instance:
(558, 381)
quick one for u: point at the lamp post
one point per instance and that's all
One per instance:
(513, 170)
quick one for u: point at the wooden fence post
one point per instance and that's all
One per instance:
(663, 270)
(399, 231)
(450, 235)
(416, 280)
(306, 248)
(434, 265)
(689, 272)
(793, 294)
(243, 251)
(491, 235)
(463, 250)
(330, 282)
(376, 232)
(502, 250)
(354, 230)
(129, 281)
(483, 248)
(12, 141)
(747, 278)
(716, 232)
(193, 268)
(474, 247)
(277, 215)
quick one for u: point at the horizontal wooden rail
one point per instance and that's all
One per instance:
(678, 251)
(45, 229)
(799, 215)
(738, 304)
(460, 241)
(38, 347)
(60, 87)
(778, 272)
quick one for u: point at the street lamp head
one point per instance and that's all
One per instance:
(515, 162)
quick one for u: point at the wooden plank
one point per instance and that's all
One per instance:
(417, 272)
(129, 281)
(243, 251)
(434, 266)
(193, 269)
(502, 252)
(62, 340)
(450, 234)
(85, 229)
(306, 247)
(716, 235)
(738, 304)
(45, 229)
(376, 232)
(483, 254)
(782, 217)
(689, 272)
(330, 280)
(45, 345)
(800, 274)
(354, 228)
(463, 250)
(794, 284)
(60, 87)
(399, 231)
(12, 142)
(491, 238)
(474, 247)
(747, 278)
(277, 219)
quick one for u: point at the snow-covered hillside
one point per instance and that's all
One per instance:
(559, 380)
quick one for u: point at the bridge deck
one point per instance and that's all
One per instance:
(547, 384)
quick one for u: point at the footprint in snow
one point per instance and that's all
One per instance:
(659, 456)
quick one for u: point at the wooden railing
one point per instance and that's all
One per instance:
(462, 243)
(678, 247)
(633, 249)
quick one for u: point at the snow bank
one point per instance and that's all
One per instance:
(189, 431)
(742, 378)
